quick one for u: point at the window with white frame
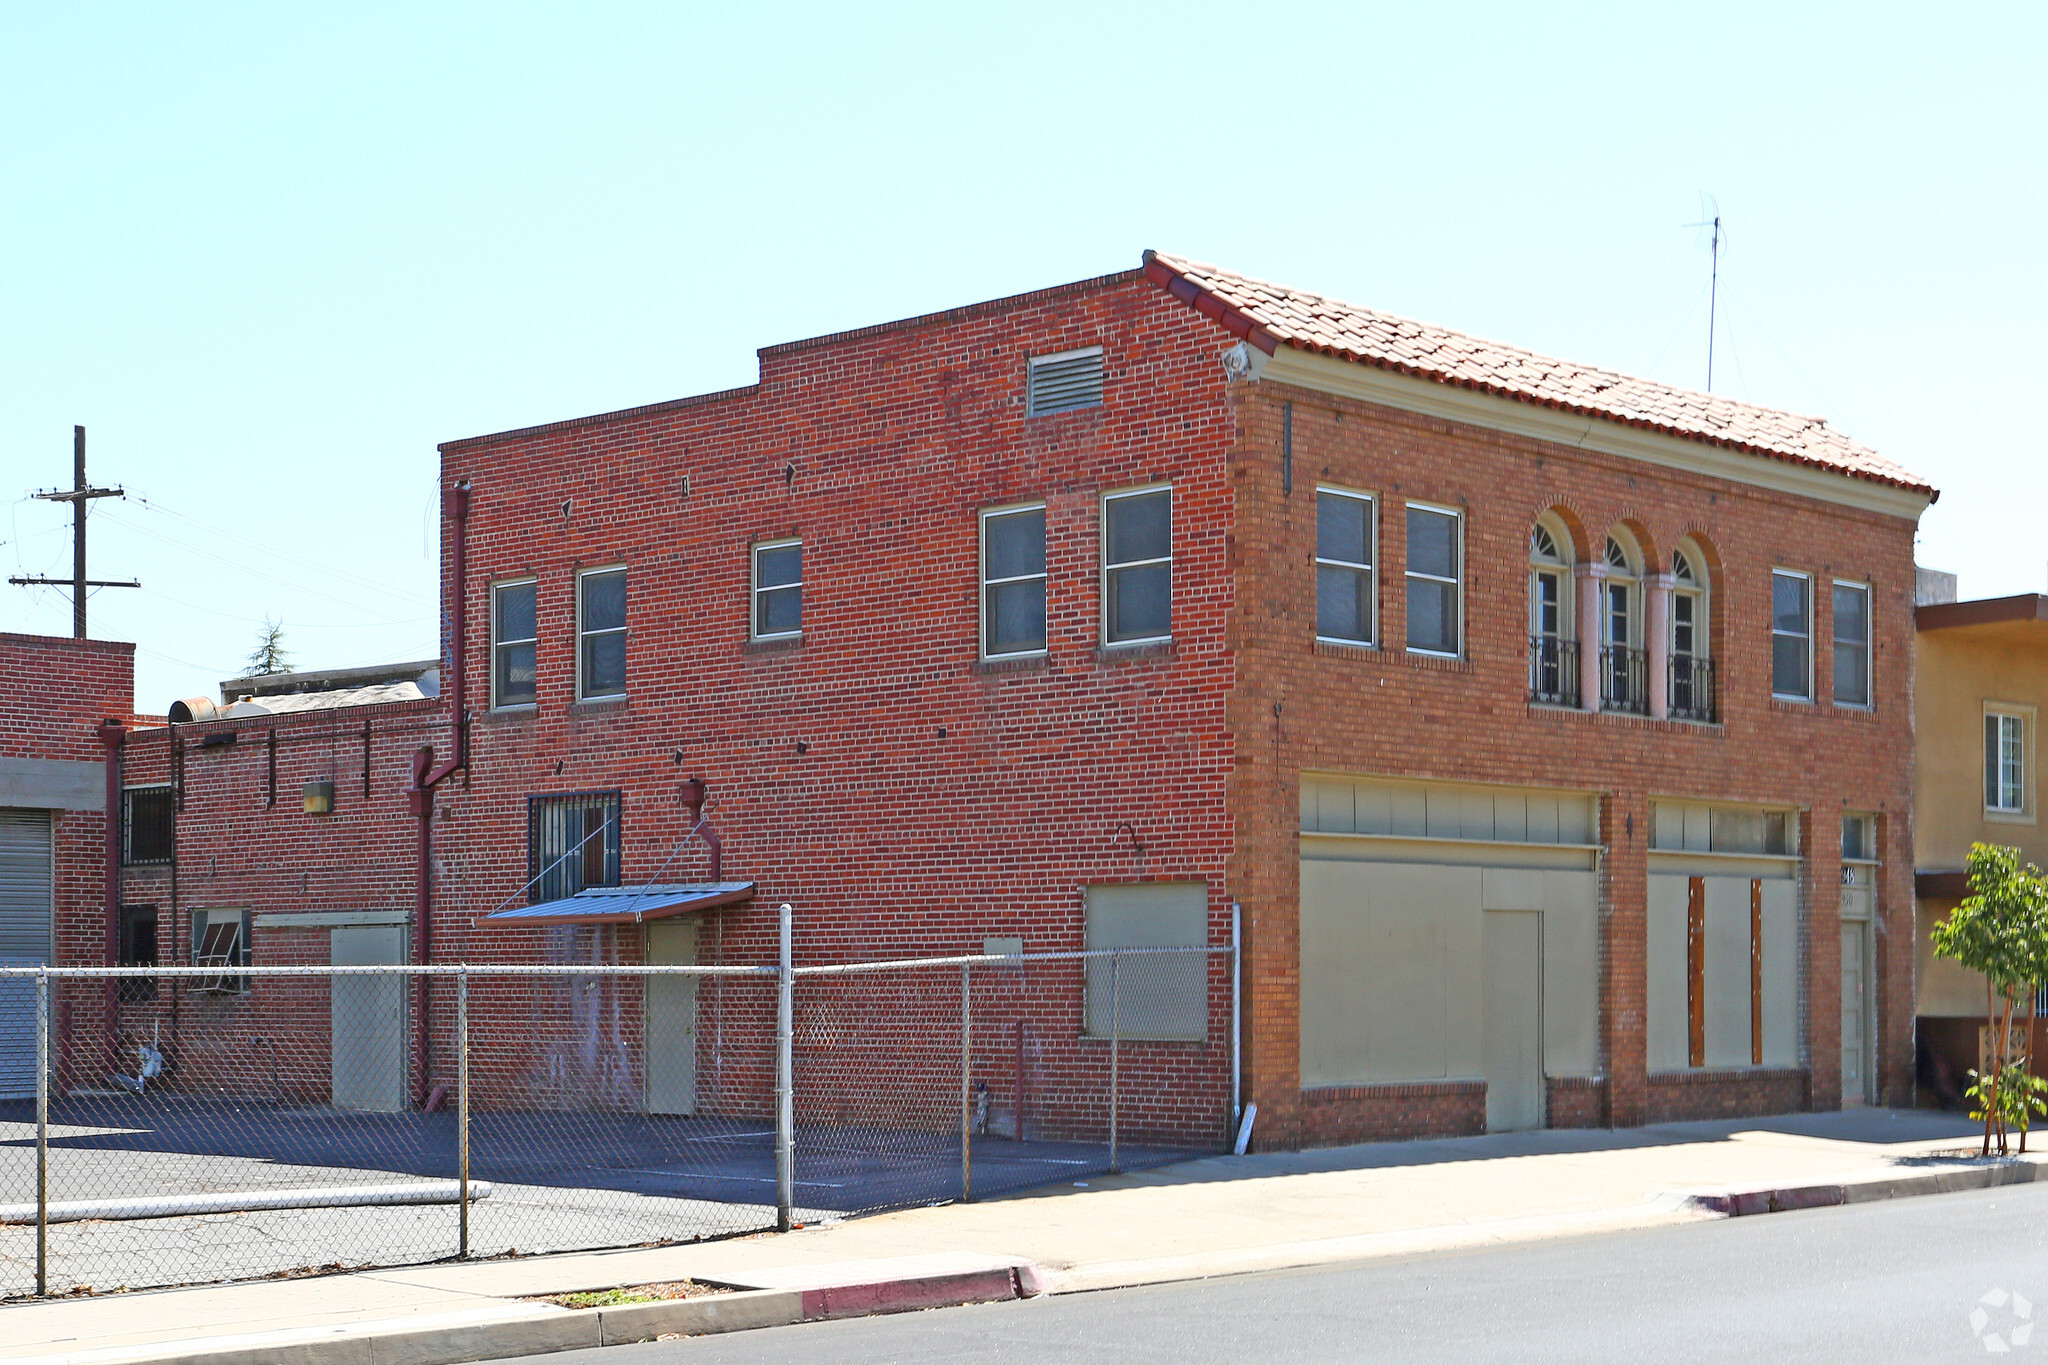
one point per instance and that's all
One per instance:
(1013, 581)
(1137, 566)
(1344, 580)
(2005, 762)
(1791, 635)
(778, 590)
(1435, 574)
(601, 633)
(1852, 644)
(515, 633)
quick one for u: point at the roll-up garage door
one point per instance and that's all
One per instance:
(24, 941)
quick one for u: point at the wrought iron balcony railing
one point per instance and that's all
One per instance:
(1624, 675)
(1553, 671)
(1691, 696)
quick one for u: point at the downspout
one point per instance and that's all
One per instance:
(114, 736)
(426, 776)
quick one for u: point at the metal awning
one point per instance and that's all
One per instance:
(624, 904)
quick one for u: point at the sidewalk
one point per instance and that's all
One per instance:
(1218, 1215)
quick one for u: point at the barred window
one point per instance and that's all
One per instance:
(148, 825)
(572, 842)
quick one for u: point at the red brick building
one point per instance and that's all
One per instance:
(1525, 709)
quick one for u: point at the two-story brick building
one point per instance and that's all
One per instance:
(1533, 717)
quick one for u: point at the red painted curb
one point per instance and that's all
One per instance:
(922, 1291)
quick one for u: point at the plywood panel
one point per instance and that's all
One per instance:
(1781, 974)
(1446, 806)
(1336, 971)
(1511, 817)
(1475, 813)
(1513, 1008)
(1372, 808)
(1571, 973)
(1727, 971)
(1512, 888)
(1409, 813)
(1696, 829)
(1665, 949)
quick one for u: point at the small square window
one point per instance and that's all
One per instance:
(1137, 566)
(1852, 644)
(220, 941)
(1013, 581)
(149, 817)
(601, 633)
(778, 590)
(1791, 635)
(514, 640)
(1344, 573)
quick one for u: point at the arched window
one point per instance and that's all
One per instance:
(1553, 658)
(1691, 694)
(1623, 669)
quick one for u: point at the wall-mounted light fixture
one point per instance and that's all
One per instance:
(319, 794)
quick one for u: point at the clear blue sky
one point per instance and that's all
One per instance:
(271, 254)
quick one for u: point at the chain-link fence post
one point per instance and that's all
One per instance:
(42, 1132)
(966, 1085)
(785, 1084)
(462, 1104)
(1116, 1026)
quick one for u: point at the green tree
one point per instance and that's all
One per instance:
(2001, 930)
(269, 655)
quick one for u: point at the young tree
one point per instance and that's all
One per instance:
(269, 655)
(2001, 930)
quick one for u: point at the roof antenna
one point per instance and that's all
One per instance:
(1711, 207)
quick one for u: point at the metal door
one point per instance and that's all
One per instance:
(24, 941)
(1857, 1059)
(672, 1019)
(368, 1061)
(1513, 1010)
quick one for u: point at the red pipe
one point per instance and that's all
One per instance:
(692, 796)
(113, 735)
(425, 777)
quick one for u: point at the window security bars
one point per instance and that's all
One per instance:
(1690, 695)
(148, 825)
(1553, 671)
(572, 843)
(305, 1126)
(1623, 680)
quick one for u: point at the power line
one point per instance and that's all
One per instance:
(241, 566)
(155, 505)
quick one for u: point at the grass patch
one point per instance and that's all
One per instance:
(633, 1293)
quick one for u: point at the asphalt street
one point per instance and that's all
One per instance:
(1895, 1281)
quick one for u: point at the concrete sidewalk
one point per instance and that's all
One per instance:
(1217, 1215)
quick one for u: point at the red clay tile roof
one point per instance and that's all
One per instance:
(1271, 315)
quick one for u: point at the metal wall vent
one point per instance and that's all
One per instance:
(1063, 382)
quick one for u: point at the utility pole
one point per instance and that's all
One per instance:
(79, 494)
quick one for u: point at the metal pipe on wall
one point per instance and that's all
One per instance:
(785, 1080)
(1236, 1015)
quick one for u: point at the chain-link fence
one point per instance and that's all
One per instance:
(183, 1125)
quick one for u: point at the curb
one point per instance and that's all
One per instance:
(582, 1328)
(1742, 1203)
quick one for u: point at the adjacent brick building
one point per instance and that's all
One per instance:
(1524, 711)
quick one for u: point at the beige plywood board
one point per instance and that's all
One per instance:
(1571, 973)
(1667, 1022)
(1727, 972)
(1337, 804)
(1781, 973)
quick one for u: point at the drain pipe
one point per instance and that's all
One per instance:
(426, 776)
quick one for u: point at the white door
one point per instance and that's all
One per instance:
(367, 1029)
(672, 1019)
(24, 941)
(1513, 1012)
(1856, 1030)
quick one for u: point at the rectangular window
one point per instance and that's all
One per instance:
(138, 949)
(148, 825)
(1013, 581)
(601, 633)
(1344, 590)
(1791, 635)
(1137, 566)
(1852, 644)
(1859, 838)
(778, 590)
(572, 842)
(2005, 763)
(514, 639)
(1063, 382)
(1435, 580)
(1148, 995)
(220, 940)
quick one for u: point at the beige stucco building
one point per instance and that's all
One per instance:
(1981, 689)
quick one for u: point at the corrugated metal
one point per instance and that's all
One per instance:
(624, 904)
(25, 905)
(1060, 383)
